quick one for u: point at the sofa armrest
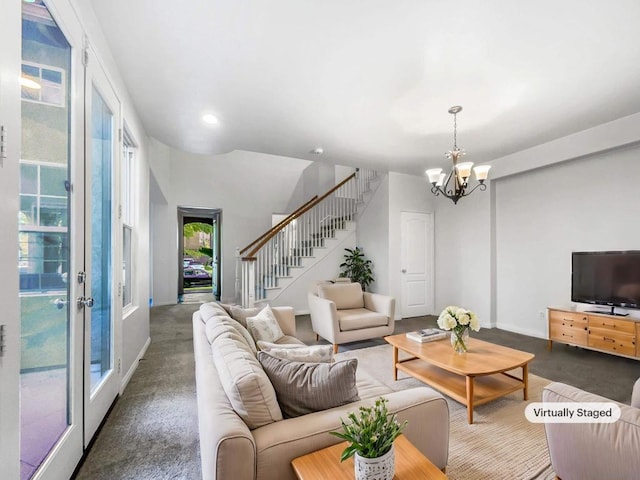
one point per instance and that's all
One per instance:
(426, 410)
(380, 303)
(223, 435)
(592, 450)
(286, 319)
(324, 317)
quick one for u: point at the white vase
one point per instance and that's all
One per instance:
(380, 468)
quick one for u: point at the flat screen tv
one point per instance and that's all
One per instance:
(606, 278)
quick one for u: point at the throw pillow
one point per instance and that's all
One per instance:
(264, 326)
(303, 388)
(240, 314)
(299, 353)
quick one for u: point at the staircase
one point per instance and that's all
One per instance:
(273, 262)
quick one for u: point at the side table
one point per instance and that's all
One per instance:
(410, 463)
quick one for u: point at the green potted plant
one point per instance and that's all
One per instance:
(370, 434)
(357, 267)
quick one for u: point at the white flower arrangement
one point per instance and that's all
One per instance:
(459, 320)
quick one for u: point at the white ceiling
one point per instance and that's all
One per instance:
(371, 81)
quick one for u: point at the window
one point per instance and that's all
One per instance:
(128, 217)
(43, 84)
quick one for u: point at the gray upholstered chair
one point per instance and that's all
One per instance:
(342, 313)
(595, 451)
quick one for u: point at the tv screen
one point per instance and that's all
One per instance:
(606, 278)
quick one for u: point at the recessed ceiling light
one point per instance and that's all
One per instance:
(317, 151)
(210, 119)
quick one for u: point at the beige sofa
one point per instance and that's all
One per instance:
(594, 451)
(342, 313)
(230, 450)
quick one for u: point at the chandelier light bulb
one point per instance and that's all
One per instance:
(464, 169)
(433, 174)
(482, 172)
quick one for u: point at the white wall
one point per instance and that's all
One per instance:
(544, 215)
(463, 259)
(371, 235)
(248, 187)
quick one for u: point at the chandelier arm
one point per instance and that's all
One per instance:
(482, 186)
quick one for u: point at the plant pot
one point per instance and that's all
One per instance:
(380, 468)
(460, 341)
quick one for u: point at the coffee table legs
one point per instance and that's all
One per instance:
(469, 399)
(395, 363)
(525, 380)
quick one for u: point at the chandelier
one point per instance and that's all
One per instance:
(455, 185)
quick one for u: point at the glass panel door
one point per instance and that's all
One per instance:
(44, 237)
(98, 303)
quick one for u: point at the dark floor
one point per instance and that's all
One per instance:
(600, 373)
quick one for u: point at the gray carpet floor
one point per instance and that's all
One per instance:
(152, 430)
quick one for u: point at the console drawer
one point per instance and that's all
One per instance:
(566, 334)
(612, 341)
(568, 319)
(612, 324)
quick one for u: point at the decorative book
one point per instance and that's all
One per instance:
(426, 335)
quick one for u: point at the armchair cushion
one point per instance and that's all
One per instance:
(344, 295)
(358, 318)
(635, 394)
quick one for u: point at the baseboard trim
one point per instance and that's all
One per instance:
(134, 366)
(518, 329)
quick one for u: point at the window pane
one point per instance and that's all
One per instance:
(52, 76)
(53, 212)
(126, 266)
(28, 210)
(28, 179)
(52, 181)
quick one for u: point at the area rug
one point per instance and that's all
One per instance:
(500, 444)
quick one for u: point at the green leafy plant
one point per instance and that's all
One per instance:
(371, 432)
(357, 267)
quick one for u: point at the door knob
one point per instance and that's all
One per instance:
(404, 270)
(59, 303)
(85, 302)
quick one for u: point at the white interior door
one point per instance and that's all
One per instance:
(417, 264)
(101, 289)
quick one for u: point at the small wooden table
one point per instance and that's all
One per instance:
(325, 464)
(474, 378)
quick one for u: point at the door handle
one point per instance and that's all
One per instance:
(404, 270)
(84, 302)
(59, 303)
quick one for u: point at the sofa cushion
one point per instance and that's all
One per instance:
(246, 384)
(303, 388)
(344, 295)
(299, 353)
(264, 326)
(219, 325)
(240, 314)
(289, 340)
(357, 318)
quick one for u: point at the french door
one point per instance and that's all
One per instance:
(98, 302)
(59, 146)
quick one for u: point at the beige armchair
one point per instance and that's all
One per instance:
(342, 313)
(593, 451)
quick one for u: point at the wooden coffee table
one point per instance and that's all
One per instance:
(473, 378)
(325, 464)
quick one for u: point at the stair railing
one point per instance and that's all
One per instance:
(283, 247)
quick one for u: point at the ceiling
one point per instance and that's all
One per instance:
(371, 82)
